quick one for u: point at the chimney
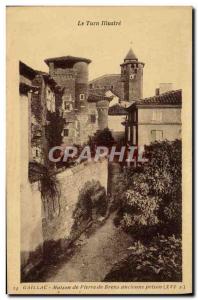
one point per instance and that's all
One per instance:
(165, 87)
(157, 92)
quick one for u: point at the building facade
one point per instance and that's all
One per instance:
(132, 77)
(84, 112)
(128, 85)
(125, 88)
(154, 119)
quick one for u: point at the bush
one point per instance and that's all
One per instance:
(92, 202)
(54, 128)
(139, 210)
(101, 138)
(158, 261)
(154, 192)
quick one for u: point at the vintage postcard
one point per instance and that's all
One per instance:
(99, 144)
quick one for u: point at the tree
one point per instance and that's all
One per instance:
(54, 128)
(157, 182)
(101, 138)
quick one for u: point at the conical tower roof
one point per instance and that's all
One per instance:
(130, 55)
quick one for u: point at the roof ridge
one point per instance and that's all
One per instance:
(160, 95)
(173, 97)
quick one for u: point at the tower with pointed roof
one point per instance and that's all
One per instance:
(132, 77)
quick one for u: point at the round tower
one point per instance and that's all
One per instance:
(102, 108)
(81, 88)
(71, 73)
(132, 77)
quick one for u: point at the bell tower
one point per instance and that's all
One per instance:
(132, 77)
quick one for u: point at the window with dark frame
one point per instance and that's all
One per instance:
(66, 132)
(82, 97)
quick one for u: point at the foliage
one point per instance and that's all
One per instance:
(92, 202)
(36, 107)
(118, 190)
(54, 129)
(154, 194)
(50, 192)
(140, 210)
(159, 261)
(101, 138)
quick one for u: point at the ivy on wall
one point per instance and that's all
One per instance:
(54, 128)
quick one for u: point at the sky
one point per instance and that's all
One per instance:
(160, 37)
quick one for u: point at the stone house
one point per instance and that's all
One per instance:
(84, 112)
(28, 242)
(155, 118)
(42, 104)
(125, 88)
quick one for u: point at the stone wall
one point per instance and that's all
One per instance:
(81, 126)
(71, 181)
(31, 238)
(108, 82)
(43, 222)
(31, 226)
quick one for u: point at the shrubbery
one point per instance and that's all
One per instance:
(92, 203)
(153, 193)
(141, 210)
(159, 260)
(101, 138)
(149, 202)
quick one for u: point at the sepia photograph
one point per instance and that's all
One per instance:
(99, 121)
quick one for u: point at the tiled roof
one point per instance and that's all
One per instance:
(130, 55)
(117, 110)
(168, 98)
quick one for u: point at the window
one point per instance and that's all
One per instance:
(65, 131)
(93, 118)
(157, 115)
(156, 135)
(112, 87)
(82, 97)
(37, 153)
(67, 106)
(135, 71)
(132, 76)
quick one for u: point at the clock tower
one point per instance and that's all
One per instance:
(132, 77)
